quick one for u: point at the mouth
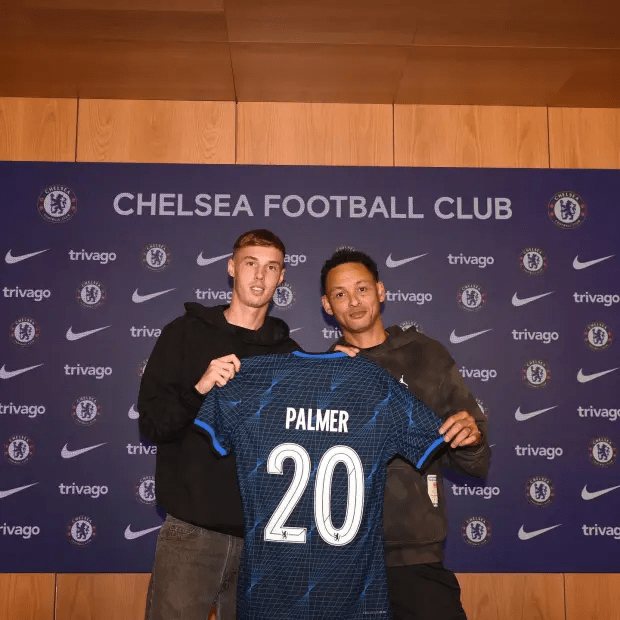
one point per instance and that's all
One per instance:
(358, 314)
(257, 289)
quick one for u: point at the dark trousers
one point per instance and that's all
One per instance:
(193, 569)
(424, 592)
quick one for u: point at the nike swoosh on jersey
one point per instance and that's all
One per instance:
(585, 494)
(521, 417)
(8, 492)
(11, 260)
(69, 454)
(583, 378)
(526, 300)
(577, 264)
(129, 535)
(454, 339)
(203, 262)
(71, 335)
(8, 374)
(132, 413)
(138, 299)
(389, 262)
(523, 535)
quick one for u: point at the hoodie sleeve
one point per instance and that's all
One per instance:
(166, 406)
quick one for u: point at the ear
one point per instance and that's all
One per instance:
(231, 267)
(281, 276)
(326, 305)
(381, 291)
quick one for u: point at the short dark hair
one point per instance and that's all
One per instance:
(347, 255)
(261, 237)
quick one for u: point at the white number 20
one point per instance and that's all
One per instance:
(275, 530)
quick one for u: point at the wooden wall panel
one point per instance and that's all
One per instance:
(101, 596)
(156, 131)
(584, 138)
(37, 129)
(315, 134)
(27, 596)
(592, 597)
(501, 596)
(476, 136)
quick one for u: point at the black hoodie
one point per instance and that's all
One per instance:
(414, 529)
(192, 484)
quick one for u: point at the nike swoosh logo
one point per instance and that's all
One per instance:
(454, 339)
(577, 264)
(294, 330)
(521, 417)
(585, 378)
(132, 413)
(71, 335)
(11, 260)
(7, 374)
(4, 494)
(69, 454)
(585, 494)
(523, 535)
(526, 300)
(203, 262)
(129, 535)
(389, 262)
(138, 299)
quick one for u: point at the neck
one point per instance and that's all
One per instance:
(244, 316)
(367, 339)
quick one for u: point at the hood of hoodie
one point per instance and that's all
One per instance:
(397, 338)
(272, 331)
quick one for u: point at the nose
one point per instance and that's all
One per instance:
(353, 300)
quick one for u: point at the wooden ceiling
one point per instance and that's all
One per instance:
(488, 52)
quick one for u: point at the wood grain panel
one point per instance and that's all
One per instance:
(101, 596)
(584, 138)
(317, 73)
(476, 136)
(511, 76)
(37, 129)
(501, 596)
(27, 596)
(156, 131)
(316, 134)
(592, 596)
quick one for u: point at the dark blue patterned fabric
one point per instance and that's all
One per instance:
(312, 435)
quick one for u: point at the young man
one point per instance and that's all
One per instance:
(197, 555)
(415, 521)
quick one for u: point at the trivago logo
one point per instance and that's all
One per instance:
(22, 531)
(601, 530)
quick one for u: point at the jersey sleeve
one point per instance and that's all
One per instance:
(415, 427)
(217, 417)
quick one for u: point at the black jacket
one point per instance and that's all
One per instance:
(192, 484)
(414, 529)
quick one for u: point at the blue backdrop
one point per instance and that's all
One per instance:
(515, 271)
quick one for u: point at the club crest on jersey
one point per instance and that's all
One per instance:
(602, 452)
(405, 325)
(57, 203)
(90, 294)
(81, 530)
(539, 491)
(471, 297)
(145, 490)
(24, 331)
(476, 531)
(567, 210)
(482, 407)
(156, 256)
(18, 449)
(142, 366)
(598, 336)
(284, 296)
(535, 373)
(86, 410)
(533, 261)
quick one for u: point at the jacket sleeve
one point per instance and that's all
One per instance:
(167, 406)
(455, 396)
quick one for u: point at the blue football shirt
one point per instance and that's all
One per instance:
(312, 435)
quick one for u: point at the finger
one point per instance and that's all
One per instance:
(454, 418)
(230, 359)
(460, 438)
(453, 431)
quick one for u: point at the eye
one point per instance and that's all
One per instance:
(273, 268)
(363, 289)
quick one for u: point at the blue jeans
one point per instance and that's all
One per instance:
(194, 568)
